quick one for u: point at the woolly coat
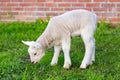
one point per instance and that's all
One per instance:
(70, 24)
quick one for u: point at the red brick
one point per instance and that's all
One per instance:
(50, 4)
(84, 0)
(30, 9)
(109, 14)
(18, 9)
(68, 9)
(51, 14)
(41, 0)
(118, 9)
(3, 4)
(118, 5)
(40, 14)
(4, 0)
(29, 0)
(26, 4)
(39, 4)
(69, 0)
(92, 4)
(49, 0)
(118, 14)
(3, 13)
(16, 0)
(12, 13)
(77, 5)
(100, 0)
(25, 13)
(108, 5)
(58, 0)
(6, 8)
(100, 9)
(12, 4)
(57, 9)
(112, 9)
(114, 0)
(64, 5)
(114, 19)
(43, 9)
(4, 17)
(88, 8)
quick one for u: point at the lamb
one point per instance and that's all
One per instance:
(58, 33)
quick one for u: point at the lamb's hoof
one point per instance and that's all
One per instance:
(53, 64)
(82, 68)
(90, 63)
(67, 66)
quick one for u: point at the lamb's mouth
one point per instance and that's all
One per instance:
(33, 62)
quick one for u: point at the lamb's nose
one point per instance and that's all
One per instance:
(33, 62)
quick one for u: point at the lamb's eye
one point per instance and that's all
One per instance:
(35, 54)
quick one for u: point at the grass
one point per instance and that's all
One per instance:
(14, 66)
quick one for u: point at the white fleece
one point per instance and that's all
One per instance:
(61, 28)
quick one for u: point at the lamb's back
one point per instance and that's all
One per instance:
(74, 20)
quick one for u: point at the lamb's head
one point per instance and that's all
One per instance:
(35, 51)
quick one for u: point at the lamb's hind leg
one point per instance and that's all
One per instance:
(57, 49)
(93, 54)
(89, 49)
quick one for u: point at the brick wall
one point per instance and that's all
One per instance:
(29, 10)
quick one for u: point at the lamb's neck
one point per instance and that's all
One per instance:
(45, 40)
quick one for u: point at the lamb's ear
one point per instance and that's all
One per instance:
(28, 42)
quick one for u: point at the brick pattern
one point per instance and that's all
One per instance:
(29, 10)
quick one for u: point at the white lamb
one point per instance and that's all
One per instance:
(58, 33)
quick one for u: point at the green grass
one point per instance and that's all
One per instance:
(13, 65)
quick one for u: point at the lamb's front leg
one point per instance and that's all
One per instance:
(57, 49)
(66, 50)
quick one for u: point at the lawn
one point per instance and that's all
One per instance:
(15, 65)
